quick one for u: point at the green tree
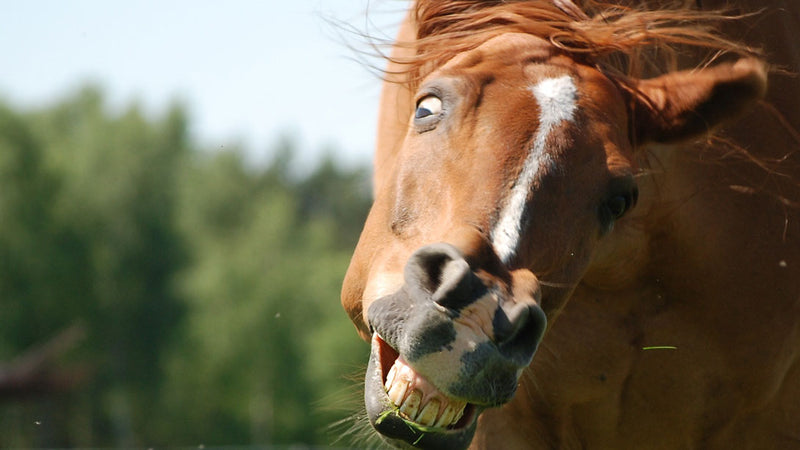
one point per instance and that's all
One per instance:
(264, 293)
(208, 287)
(107, 247)
(29, 243)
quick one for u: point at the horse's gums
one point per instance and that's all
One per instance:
(388, 356)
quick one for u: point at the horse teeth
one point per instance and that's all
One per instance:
(390, 378)
(397, 393)
(459, 412)
(399, 382)
(428, 415)
(447, 417)
(410, 407)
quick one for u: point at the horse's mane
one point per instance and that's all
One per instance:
(621, 39)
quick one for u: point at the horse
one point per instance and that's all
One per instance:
(585, 228)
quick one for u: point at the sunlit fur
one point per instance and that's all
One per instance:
(557, 99)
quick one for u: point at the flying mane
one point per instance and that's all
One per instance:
(622, 40)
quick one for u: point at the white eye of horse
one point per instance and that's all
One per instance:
(429, 105)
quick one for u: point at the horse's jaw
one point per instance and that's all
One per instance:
(395, 425)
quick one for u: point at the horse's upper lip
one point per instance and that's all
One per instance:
(387, 418)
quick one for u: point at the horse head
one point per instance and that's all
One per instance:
(516, 172)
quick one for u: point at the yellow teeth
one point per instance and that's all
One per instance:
(430, 409)
(397, 392)
(429, 413)
(459, 412)
(410, 406)
(447, 417)
(390, 377)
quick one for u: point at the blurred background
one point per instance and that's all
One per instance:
(181, 187)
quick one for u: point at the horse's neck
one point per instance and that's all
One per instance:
(715, 291)
(699, 333)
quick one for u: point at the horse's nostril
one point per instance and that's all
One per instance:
(457, 285)
(443, 273)
(518, 330)
(509, 321)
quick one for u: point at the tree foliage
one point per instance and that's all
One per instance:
(208, 287)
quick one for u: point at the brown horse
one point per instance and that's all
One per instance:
(533, 192)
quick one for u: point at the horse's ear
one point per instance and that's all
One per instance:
(686, 104)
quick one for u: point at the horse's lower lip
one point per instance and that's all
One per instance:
(387, 419)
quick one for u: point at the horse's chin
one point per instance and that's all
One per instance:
(394, 425)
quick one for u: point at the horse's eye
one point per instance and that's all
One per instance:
(429, 105)
(618, 205)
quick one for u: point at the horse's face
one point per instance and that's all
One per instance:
(516, 164)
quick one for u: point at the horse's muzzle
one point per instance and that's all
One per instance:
(451, 342)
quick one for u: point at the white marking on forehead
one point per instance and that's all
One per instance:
(557, 99)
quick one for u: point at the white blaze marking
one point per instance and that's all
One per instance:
(557, 102)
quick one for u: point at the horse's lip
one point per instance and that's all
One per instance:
(385, 419)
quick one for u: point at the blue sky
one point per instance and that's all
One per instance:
(249, 71)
